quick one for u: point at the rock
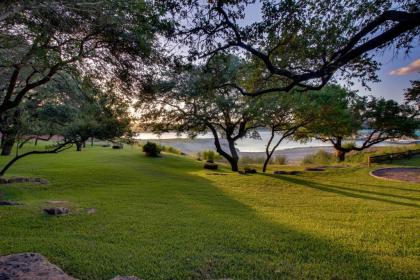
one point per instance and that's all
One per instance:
(211, 166)
(125, 278)
(3, 180)
(41, 181)
(30, 266)
(56, 211)
(9, 203)
(91, 210)
(314, 169)
(250, 170)
(13, 180)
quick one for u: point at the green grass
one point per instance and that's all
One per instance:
(167, 218)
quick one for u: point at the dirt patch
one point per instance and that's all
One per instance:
(409, 174)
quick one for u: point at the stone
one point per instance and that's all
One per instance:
(41, 181)
(250, 170)
(56, 211)
(9, 203)
(91, 210)
(13, 180)
(125, 278)
(30, 266)
(211, 166)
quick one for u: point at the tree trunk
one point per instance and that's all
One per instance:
(36, 140)
(91, 141)
(341, 155)
(235, 158)
(8, 143)
(2, 140)
(79, 146)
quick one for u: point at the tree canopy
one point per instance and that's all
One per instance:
(305, 43)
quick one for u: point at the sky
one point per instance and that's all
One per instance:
(394, 75)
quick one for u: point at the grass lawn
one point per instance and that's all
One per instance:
(167, 218)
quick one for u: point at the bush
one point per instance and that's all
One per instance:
(321, 156)
(209, 155)
(151, 149)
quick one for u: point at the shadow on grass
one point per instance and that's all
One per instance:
(162, 222)
(350, 192)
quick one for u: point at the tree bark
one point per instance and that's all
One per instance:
(234, 155)
(341, 155)
(79, 146)
(8, 143)
(58, 149)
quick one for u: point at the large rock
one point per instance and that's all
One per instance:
(30, 266)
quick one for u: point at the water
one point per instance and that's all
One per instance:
(245, 145)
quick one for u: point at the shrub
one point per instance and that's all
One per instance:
(151, 149)
(209, 155)
(320, 156)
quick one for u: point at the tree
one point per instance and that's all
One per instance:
(283, 116)
(40, 39)
(340, 117)
(412, 94)
(73, 119)
(194, 103)
(305, 42)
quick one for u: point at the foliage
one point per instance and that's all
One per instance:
(339, 116)
(305, 43)
(412, 94)
(151, 149)
(195, 101)
(111, 41)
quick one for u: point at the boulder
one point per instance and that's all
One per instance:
(211, 166)
(30, 266)
(56, 211)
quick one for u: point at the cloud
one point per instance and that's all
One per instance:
(411, 68)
